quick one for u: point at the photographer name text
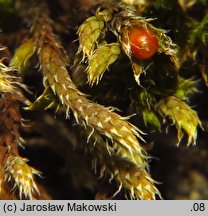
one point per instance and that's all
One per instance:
(70, 207)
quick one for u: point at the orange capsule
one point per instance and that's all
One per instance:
(143, 42)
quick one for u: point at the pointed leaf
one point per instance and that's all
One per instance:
(45, 101)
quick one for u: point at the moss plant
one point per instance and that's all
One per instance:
(113, 77)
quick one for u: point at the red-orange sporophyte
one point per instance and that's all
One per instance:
(143, 42)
